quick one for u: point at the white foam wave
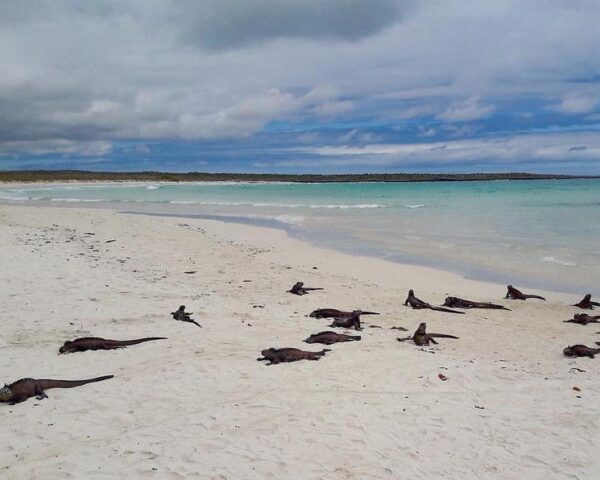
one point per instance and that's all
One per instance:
(291, 219)
(288, 219)
(152, 187)
(280, 205)
(16, 199)
(359, 206)
(559, 262)
(83, 200)
(414, 206)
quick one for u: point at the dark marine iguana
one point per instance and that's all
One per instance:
(587, 303)
(583, 319)
(580, 351)
(329, 338)
(300, 289)
(353, 321)
(421, 337)
(95, 343)
(335, 313)
(455, 302)
(25, 388)
(417, 303)
(284, 355)
(515, 294)
(183, 316)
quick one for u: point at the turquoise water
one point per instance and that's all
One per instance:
(537, 233)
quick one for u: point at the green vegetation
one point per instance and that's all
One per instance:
(85, 176)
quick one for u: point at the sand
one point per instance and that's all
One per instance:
(199, 405)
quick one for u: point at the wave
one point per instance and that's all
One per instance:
(359, 206)
(559, 262)
(288, 219)
(75, 187)
(414, 206)
(279, 205)
(84, 200)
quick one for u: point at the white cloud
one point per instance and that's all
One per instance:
(576, 103)
(428, 132)
(531, 147)
(466, 111)
(357, 136)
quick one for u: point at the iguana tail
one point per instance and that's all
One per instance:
(442, 309)
(534, 296)
(46, 383)
(125, 343)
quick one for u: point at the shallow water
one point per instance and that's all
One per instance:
(541, 233)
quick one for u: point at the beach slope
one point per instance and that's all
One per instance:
(199, 405)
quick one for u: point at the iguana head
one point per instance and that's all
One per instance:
(65, 347)
(5, 394)
(267, 351)
(568, 352)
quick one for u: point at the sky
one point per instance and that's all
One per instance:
(301, 86)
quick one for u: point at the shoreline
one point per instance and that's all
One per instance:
(467, 271)
(93, 272)
(476, 273)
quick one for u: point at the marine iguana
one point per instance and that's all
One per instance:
(580, 351)
(583, 319)
(515, 294)
(300, 289)
(334, 313)
(96, 343)
(417, 303)
(587, 303)
(421, 337)
(456, 302)
(183, 316)
(284, 355)
(25, 388)
(353, 321)
(329, 338)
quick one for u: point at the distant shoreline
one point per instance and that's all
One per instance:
(31, 176)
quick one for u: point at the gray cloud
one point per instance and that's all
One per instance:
(76, 76)
(222, 24)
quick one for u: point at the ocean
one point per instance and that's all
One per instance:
(541, 233)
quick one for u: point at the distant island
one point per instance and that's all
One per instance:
(89, 176)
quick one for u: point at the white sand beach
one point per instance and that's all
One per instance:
(199, 406)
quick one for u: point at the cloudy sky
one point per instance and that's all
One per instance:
(301, 85)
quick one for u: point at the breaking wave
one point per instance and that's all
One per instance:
(559, 262)
(280, 205)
